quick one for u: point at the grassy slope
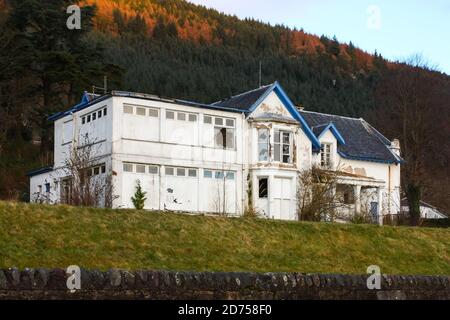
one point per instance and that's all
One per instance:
(58, 236)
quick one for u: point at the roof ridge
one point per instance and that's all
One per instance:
(246, 92)
(330, 114)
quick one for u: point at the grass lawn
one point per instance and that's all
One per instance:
(59, 236)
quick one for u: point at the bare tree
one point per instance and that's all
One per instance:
(409, 99)
(316, 195)
(87, 182)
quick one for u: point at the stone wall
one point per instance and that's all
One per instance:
(121, 284)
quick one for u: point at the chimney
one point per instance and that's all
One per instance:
(395, 146)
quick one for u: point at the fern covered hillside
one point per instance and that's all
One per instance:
(59, 236)
(173, 48)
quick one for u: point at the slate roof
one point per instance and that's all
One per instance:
(243, 101)
(362, 141)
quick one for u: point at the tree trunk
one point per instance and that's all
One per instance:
(413, 193)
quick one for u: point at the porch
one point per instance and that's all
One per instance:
(360, 196)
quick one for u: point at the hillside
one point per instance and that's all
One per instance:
(58, 236)
(173, 48)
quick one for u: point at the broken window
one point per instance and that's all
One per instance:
(282, 146)
(263, 191)
(219, 175)
(263, 144)
(224, 138)
(325, 155)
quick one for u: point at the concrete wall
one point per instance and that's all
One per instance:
(120, 284)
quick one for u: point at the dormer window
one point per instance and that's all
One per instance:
(282, 146)
(325, 155)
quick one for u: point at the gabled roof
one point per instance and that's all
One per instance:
(250, 100)
(362, 141)
(86, 100)
(321, 129)
(39, 171)
(244, 101)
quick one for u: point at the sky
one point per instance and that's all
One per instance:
(397, 29)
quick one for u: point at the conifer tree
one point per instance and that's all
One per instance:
(139, 197)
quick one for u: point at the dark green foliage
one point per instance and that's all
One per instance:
(139, 197)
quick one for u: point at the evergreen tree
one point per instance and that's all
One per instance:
(139, 197)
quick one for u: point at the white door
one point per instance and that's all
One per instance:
(282, 195)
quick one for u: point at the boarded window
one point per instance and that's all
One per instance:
(230, 123)
(153, 113)
(262, 188)
(140, 168)
(170, 115)
(230, 175)
(140, 111)
(192, 173)
(207, 119)
(153, 169)
(128, 109)
(207, 173)
(127, 167)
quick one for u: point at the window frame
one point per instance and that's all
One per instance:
(266, 193)
(280, 154)
(326, 159)
(265, 143)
